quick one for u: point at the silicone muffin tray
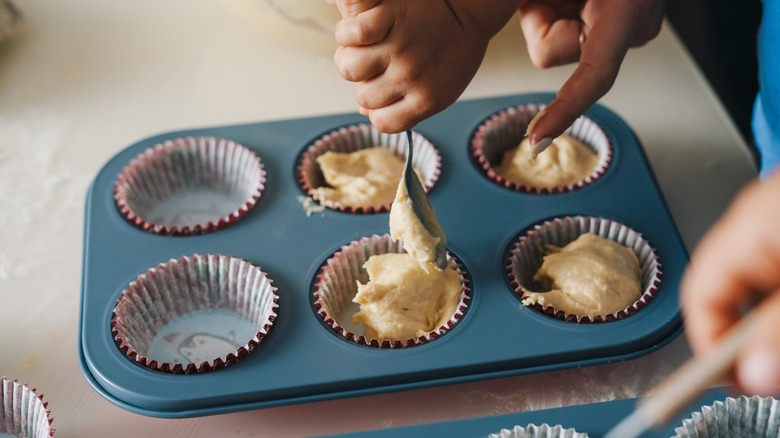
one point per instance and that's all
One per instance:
(303, 360)
(595, 419)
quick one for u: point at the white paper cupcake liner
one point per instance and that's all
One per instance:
(191, 185)
(734, 417)
(336, 286)
(426, 159)
(195, 314)
(534, 431)
(24, 413)
(529, 249)
(505, 130)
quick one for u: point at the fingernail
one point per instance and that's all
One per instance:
(541, 145)
(759, 372)
(536, 118)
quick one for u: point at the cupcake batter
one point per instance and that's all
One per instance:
(360, 179)
(406, 226)
(401, 301)
(590, 276)
(566, 161)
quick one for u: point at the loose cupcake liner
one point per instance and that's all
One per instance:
(195, 314)
(505, 130)
(24, 413)
(336, 286)
(734, 417)
(191, 185)
(426, 160)
(542, 431)
(528, 251)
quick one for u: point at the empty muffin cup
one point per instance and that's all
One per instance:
(529, 249)
(24, 413)
(337, 285)
(195, 314)
(191, 185)
(542, 431)
(363, 168)
(505, 130)
(734, 417)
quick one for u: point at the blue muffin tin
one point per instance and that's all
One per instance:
(595, 419)
(302, 360)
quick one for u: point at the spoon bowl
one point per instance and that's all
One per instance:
(422, 207)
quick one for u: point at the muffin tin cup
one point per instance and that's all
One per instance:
(744, 416)
(336, 286)
(191, 185)
(195, 314)
(426, 160)
(529, 249)
(24, 413)
(538, 431)
(505, 130)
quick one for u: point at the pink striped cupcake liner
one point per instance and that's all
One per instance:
(538, 431)
(743, 416)
(529, 249)
(336, 286)
(195, 314)
(191, 185)
(24, 413)
(426, 160)
(505, 130)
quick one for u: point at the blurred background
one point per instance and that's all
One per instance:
(721, 36)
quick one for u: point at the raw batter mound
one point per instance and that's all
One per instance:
(565, 162)
(360, 179)
(589, 276)
(407, 227)
(401, 301)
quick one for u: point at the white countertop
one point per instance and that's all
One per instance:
(89, 78)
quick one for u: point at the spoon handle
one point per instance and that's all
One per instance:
(682, 386)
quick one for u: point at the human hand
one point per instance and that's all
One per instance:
(738, 262)
(410, 59)
(597, 33)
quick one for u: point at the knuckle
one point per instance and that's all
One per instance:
(341, 31)
(356, 31)
(358, 6)
(363, 97)
(350, 31)
(422, 104)
(539, 57)
(360, 32)
(542, 56)
(346, 62)
(341, 66)
(386, 123)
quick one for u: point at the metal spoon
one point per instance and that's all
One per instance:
(422, 207)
